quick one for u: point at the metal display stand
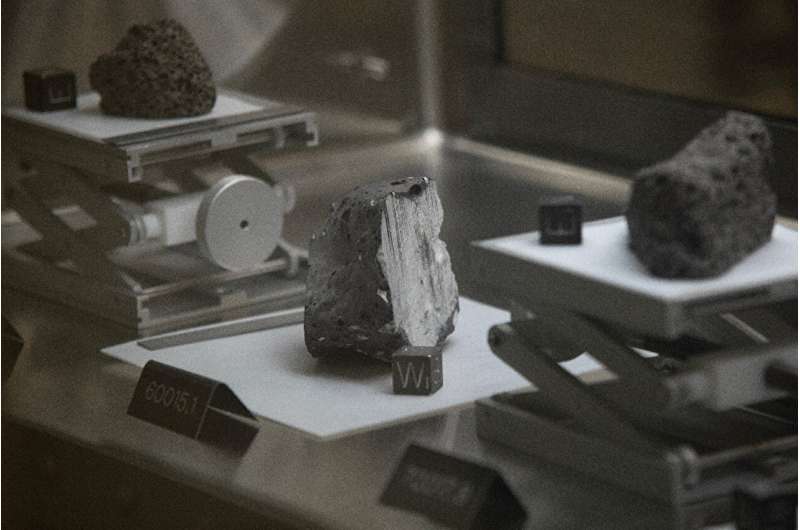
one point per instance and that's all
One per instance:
(686, 420)
(140, 221)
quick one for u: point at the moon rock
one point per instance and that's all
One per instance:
(156, 71)
(379, 276)
(706, 208)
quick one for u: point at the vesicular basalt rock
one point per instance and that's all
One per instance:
(700, 212)
(379, 275)
(156, 71)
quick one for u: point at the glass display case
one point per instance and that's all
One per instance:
(503, 103)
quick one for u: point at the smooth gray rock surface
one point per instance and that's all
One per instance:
(379, 276)
(703, 210)
(156, 71)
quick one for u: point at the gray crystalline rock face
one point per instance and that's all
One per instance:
(379, 276)
(156, 71)
(700, 212)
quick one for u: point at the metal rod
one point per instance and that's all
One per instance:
(261, 323)
(787, 443)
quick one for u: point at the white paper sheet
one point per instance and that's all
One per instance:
(604, 257)
(88, 121)
(275, 377)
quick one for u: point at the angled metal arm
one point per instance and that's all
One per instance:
(652, 390)
(510, 342)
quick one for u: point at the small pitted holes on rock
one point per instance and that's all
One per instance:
(696, 215)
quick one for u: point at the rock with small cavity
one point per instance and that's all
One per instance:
(379, 276)
(156, 71)
(706, 208)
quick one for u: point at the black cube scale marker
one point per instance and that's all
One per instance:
(49, 89)
(560, 220)
(417, 370)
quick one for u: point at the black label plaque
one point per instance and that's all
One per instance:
(192, 405)
(452, 491)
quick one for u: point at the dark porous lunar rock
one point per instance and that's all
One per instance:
(156, 71)
(700, 212)
(379, 276)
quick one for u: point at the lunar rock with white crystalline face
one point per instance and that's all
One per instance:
(379, 276)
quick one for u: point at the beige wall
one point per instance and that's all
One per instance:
(741, 53)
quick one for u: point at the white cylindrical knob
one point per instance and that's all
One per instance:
(239, 222)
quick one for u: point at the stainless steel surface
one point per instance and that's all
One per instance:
(63, 386)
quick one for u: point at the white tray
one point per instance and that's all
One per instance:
(88, 121)
(602, 278)
(275, 377)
